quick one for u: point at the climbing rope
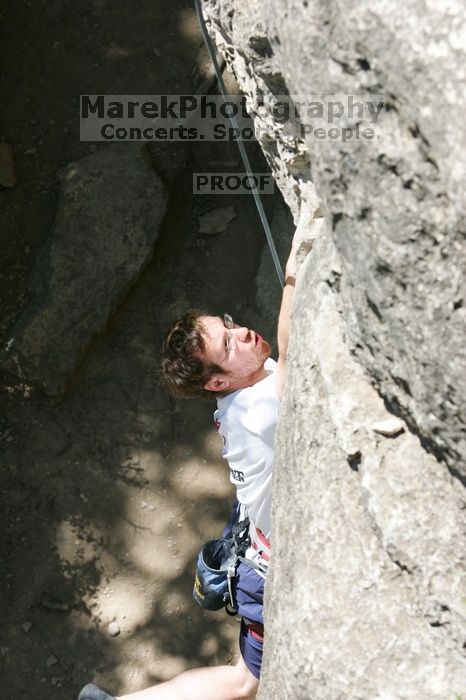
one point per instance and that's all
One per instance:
(242, 150)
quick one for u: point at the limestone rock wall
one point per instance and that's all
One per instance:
(366, 597)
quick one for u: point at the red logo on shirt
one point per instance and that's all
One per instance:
(217, 425)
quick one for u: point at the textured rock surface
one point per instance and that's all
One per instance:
(396, 207)
(110, 208)
(366, 597)
(373, 598)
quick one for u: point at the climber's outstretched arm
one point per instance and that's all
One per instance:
(284, 323)
(306, 217)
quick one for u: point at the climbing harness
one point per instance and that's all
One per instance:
(259, 543)
(244, 155)
(255, 629)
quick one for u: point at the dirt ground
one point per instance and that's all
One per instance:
(108, 492)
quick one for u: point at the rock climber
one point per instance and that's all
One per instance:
(214, 357)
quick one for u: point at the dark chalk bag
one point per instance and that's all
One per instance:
(216, 568)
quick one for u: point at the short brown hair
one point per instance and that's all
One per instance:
(183, 370)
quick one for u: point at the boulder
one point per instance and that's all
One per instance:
(110, 207)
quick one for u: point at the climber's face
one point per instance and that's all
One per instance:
(239, 351)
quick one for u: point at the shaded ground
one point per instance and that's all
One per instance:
(108, 492)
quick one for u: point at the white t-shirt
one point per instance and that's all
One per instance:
(246, 420)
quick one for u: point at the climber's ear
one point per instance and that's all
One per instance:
(217, 382)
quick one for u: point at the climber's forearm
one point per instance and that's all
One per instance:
(284, 319)
(284, 325)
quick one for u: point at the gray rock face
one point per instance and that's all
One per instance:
(366, 593)
(396, 208)
(110, 207)
(367, 588)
